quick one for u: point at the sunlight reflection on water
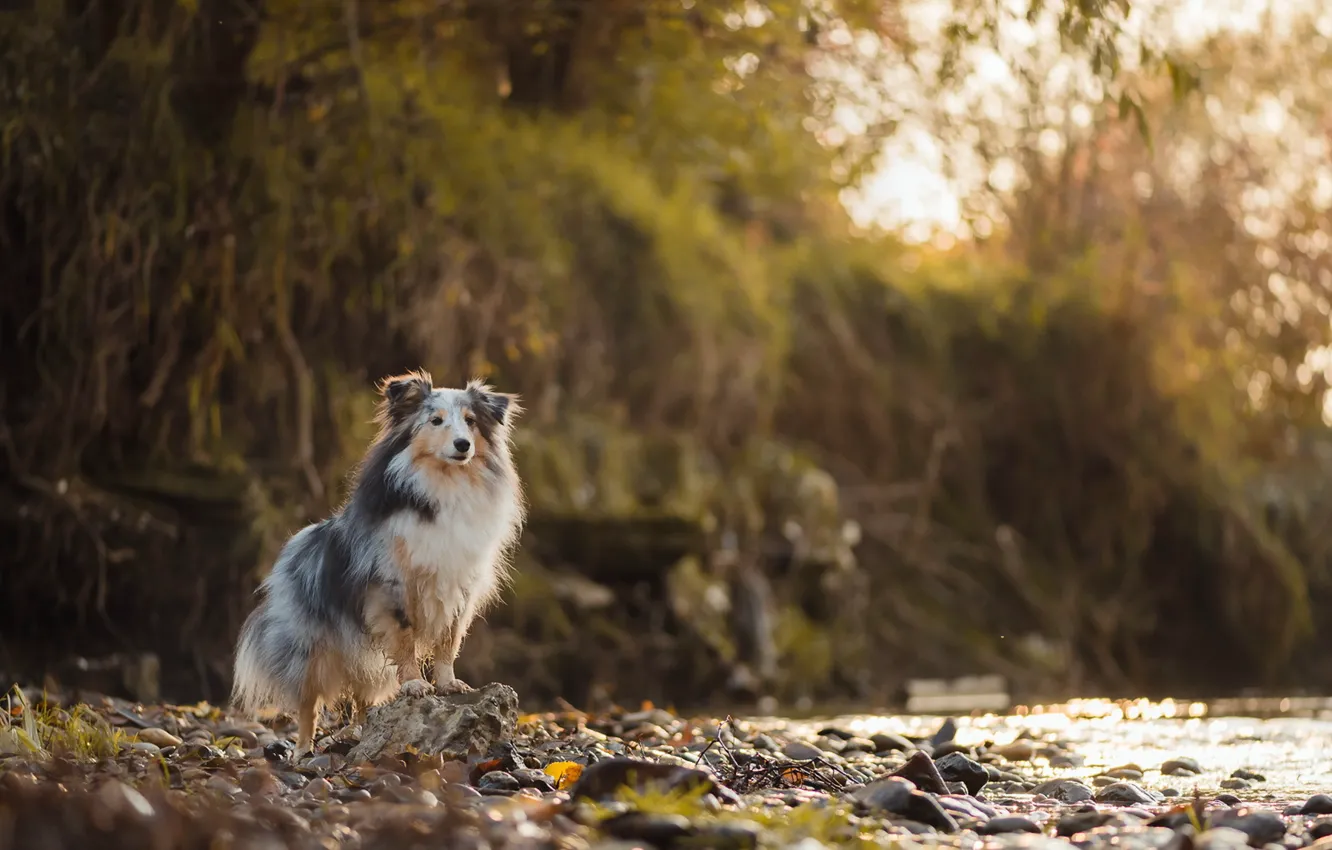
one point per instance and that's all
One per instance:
(1291, 752)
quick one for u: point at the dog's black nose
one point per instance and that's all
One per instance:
(461, 444)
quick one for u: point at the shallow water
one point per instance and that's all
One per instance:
(1293, 753)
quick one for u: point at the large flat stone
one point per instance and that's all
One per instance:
(454, 726)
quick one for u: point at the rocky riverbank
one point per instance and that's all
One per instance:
(113, 774)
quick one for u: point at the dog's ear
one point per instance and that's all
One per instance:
(501, 407)
(404, 394)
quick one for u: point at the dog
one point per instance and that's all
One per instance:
(421, 547)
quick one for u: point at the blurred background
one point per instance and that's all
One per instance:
(862, 340)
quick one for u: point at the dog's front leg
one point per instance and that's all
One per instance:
(402, 652)
(388, 621)
(446, 653)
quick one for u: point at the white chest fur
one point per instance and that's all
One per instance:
(451, 564)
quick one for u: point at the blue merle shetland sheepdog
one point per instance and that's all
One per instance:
(421, 547)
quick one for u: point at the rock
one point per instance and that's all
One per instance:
(801, 751)
(896, 796)
(246, 738)
(885, 795)
(351, 795)
(532, 778)
(947, 732)
(1023, 749)
(733, 835)
(961, 804)
(886, 742)
(998, 826)
(1064, 790)
(454, 726)
(1228, 799)
(279, 751)
(498, 780)
(923, 773)
(830, 745)
(1234, 784)
(120, 799)
(956, 767)
(319, 788)
(1320, 829)
(1182, 766)
(1318, 804)
(1081, 822)
(1222, 838)
(1129, 772)
(1261, 826)
(604, 779)
(1248, 775)
(160, 737)
(259, 782)
(766, 743)
(859, 745)
(1124, 794)
(659, 830)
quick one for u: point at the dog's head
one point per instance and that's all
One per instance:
(451, 426)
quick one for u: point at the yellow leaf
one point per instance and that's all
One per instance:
(565, 773)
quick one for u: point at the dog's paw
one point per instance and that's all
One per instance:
(453, 686)
(414, 688)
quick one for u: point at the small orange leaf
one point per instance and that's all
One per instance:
(793, 775)
(565, 773)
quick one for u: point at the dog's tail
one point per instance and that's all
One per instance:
(252, 678)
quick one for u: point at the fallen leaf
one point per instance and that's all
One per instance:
(565, 773)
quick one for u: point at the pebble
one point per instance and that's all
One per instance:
(279, 751)
(886, 742)
(1080, 822)
(1023, 749)
(1262, 827)
(319, 788)
(351, 795)
(956, 767)
(997, 826)
(159, 737)
(1181, 766)
(1064, 791)
(801, 751)
(1221, 838)
(530, 778)
(1130, 772)
(1318, 804)
(829, 744)
(1320, 829)
(1124, 794)
(244, 736)
(498, 780)
(657, 829)
(859, 745)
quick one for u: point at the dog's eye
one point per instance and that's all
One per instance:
(437, 420)
(471, 420)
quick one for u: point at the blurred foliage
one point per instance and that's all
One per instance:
(222, 221)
